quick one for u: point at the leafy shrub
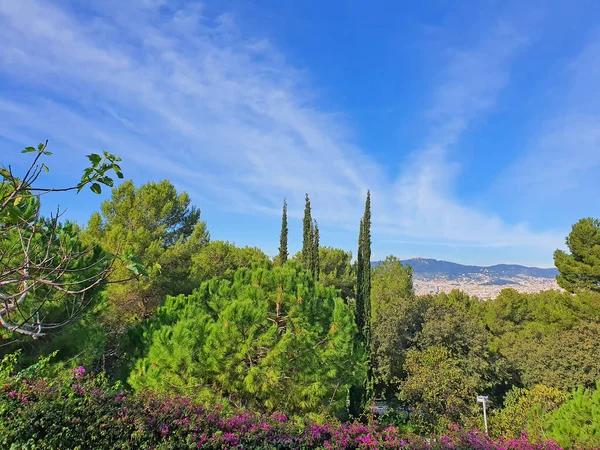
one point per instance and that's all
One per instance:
(79, 411)
(526, 410)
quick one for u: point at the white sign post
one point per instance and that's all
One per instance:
(483, 399)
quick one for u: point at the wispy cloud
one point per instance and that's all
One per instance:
(187, 96)
(562, 160)
(469, 89)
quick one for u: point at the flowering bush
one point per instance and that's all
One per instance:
(80, 411)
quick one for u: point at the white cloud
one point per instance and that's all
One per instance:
(188, 96)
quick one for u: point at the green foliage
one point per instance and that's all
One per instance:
(315, 263)
(397, 318)
(456, 322)
(576, 424)
(547, 338)
(307, 235)
(363, 274)
(159, 226)
(581, 268)
(79, 411)
(271, 340)
(361, 396)
(283, 237)
(563, 359)
(526, 410)
(438, 386)
(337, 270)
(221, 259)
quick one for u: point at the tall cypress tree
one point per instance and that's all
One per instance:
(316, 265)
(307, 236)
(361, 396)
(360, 320)
(283, 237)
(366, 270)
(366, 296)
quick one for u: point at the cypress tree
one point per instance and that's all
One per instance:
(361, 396)
(359, 280)
(366, 297)
(366, 271)
(316, 265)
(307, 236)
(283, 237)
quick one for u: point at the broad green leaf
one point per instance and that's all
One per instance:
(96, 188)
(107, 181)
(95, 159)
(137, 269)
(28, 150)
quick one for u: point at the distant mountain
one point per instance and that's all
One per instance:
(432, 268)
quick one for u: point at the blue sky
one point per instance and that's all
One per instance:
(476, 125)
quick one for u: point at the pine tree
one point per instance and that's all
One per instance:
(307, 236)
(283, 237)
(307, 369)
(581, 268)
(315, 266)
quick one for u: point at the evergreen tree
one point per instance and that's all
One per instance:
(360, 396)
(315, 263)
(271, 340)
(161, 227)
(575, 423)
(366, 296)
(307, 236)
(283, 238)
(581, 268)
(366, 270)
(359, 281)
(363, 274)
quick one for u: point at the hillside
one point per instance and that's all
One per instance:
(432, 275)
(425, 268)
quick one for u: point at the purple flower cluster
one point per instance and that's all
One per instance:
(78, 373)
(90, 405)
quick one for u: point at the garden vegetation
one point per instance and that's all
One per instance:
(137, 330)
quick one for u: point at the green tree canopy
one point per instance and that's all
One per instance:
(547, 338)
(337, 270)
(222, 259)
(562, 359)
(456, 322)
(397, 318)
(438, 387)
(581, 268)
(158, 225)
(271, 340)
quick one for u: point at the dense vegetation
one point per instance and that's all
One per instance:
(188, 341)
